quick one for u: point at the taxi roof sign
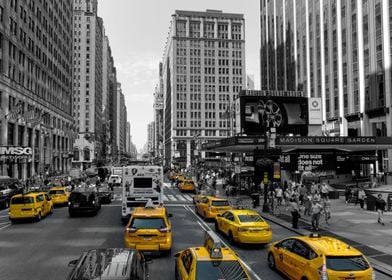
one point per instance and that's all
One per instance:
(213, 245)
(149, 205)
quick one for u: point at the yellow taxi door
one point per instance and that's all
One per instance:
(283, 255)
(300, 263)
(47, 204)
(40, 205)
(202, 206)
(229, 223)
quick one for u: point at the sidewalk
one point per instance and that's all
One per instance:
(349, 223)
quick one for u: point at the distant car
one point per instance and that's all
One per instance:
(114, 180)
(30, 205)
(105, 194)
(187, 186)
(84, 200)
(59, 195)
(8, 188)
(110, 263)
(210, 206)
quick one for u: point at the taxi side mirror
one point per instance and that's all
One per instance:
(277, 246)
(72, 263)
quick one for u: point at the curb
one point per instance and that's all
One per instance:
(377, 265)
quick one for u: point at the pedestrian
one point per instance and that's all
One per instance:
(313, 188)
(327, 209)
(324, 191)
(316, 212)
(361, 197)
(302, 193)
(347, 194)
(294, 209)
(317, 196)
(307, 203)
(380, 208)
(261, 187)
(279, 195)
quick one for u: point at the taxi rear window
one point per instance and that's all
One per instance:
(250, 218)
(22, 200)
(347, 263)
(220, 203)
(56, 192)
(228, 270)
(150, 223)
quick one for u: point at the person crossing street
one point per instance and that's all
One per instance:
(316, 212)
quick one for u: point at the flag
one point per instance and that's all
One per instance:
(16, 111)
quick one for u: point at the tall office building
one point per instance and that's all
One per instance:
(337, 50)
(87, 82)
(35, 87)
(158, 117)
(203, 71)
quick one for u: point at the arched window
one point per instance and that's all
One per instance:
(76, 155)
(86, 154)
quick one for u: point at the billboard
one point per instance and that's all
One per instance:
(315, 113)
(286, 114)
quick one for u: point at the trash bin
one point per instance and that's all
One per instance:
(370, 204)
(256, 199)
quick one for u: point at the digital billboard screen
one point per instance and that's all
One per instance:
(286, 114)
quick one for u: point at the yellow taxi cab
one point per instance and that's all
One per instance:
(211, 261)
(149, 229)
(244, 226)
(318, 257)
(187, 185)
(30, 205)
(210, 206)
(180, 178)
(59, 195)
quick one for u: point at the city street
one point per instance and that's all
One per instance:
(38, 250)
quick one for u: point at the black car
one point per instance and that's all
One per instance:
(105, 193)
(84, 200)
(8, 188)
(110, 263)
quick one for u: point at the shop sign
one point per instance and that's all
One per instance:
(310, 162)
(322, 140)
(13, 153)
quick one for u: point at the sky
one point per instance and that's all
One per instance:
(137, 31)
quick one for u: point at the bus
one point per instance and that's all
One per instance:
(139, 184)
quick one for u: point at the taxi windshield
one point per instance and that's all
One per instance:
(347, 263)
(22, 200)
(150, 223)
(220, 203)
(56, 192)
(250, 218)
(223, 270)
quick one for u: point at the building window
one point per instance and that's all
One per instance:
(86, 153)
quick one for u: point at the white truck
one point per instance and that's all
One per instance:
(139, 184)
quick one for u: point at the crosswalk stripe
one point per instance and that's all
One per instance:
(171, 197)
(182, 198)
(188, 197)
(165, 198)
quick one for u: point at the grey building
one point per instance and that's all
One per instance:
(36, 86)
(203, 71)
(339, 51)
(87, 82)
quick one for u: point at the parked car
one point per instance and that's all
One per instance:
(115, 181)
(84, 200)
(110, 263)
(8, 188)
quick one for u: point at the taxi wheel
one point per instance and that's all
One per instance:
(166, 252)
(271, 261)
(39, 217)
(231, 238)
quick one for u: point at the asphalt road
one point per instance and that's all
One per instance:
(41, 251)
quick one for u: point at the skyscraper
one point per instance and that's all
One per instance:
(35, 86)
(337, 50)
(87, 82)
(203, 71)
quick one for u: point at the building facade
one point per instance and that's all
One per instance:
(158, 118)
(36, 87)
(87, 82)
(203, 71)
(339, 51)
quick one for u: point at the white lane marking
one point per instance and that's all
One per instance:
(3, 227)
(4, 216)
(224, 243)
(181, 197)
(165, 198)
(188, 197)
(4, 223)
(171, 197)
(201, 225)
